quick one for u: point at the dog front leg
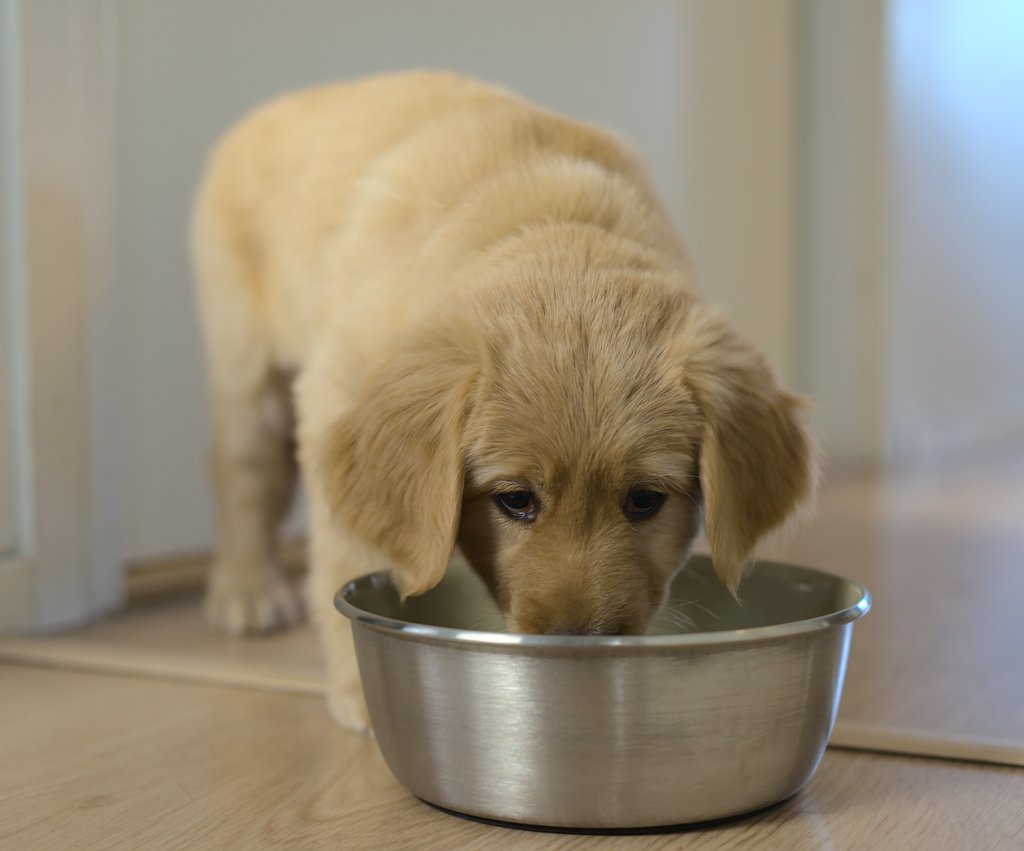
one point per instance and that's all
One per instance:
(335, 558)
(254, 472)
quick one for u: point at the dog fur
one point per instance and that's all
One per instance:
(446, 294)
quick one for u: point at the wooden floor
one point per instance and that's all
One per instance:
(147, 730)
(99, 761)
(940, 658)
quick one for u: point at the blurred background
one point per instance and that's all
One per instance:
(848, 177)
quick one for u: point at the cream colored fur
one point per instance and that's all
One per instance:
(456, 294)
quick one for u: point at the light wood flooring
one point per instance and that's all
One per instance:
(108, 762)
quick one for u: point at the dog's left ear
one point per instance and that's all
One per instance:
(758, 462)
(393, 466)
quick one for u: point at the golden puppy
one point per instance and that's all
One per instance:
(491, 338)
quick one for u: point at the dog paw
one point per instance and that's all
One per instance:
(347, 707)
(251, 605)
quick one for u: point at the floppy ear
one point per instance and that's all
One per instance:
(758, 463)
(393, 466)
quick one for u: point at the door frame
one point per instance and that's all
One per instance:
(58, 134)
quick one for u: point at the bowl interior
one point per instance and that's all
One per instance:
(771, 594)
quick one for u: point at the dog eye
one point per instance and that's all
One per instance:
(641, 504)
(519, 505)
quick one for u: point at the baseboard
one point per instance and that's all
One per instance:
(154, 578)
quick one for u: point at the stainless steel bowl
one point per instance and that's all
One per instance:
(607, 732)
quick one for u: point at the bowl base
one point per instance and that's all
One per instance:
(687, 827)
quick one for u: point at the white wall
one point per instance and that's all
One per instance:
(736, 157)
(954, 251)
(910, 225)
(847, 176)
(702, 89)
(839, 307)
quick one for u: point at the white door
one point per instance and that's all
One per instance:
(15, 576)
(7, 541)
(59, 560)
(7, 507)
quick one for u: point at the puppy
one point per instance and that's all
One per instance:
(476, 318)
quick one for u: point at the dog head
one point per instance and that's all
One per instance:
(572, 448)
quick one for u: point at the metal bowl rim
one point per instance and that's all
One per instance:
(421, 631)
